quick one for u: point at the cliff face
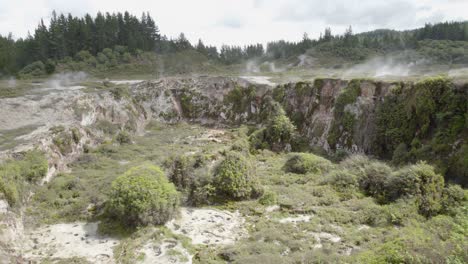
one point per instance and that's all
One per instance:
(402, 122)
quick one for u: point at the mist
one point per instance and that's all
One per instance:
(382, 67)
(61, 80)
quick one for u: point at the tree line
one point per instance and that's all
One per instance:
(66, 36)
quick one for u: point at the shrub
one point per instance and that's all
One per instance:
(9, 191)
(303, 163)
(123, 137)
(76, 135)
(35, 165)
(119, 92)
(143, 196)
(419, 181)
(375, 175)
(355, 163)
(49, 66)
(279, 131)
(64, 142)
(268, 198)
(181, 172)
(234, 178)
(83, 55)
(343, 180)
(452, 198)
(36, 68)
(15, 175)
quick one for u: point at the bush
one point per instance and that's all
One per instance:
(343, 180)
(181, 172)
(16, 174)
(234, 178)
(355, 163)
(49, 66)
(303, 163)
(268, 198)
(36, 68)
(452, 198)
(419, 181)
(35, 165)
(143, 196)
(123, 137)
(374, 178)
(279, 131)
(9, 191)
(64, 142)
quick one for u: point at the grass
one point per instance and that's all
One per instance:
(9, 138)
(374, 231)
(68, 196)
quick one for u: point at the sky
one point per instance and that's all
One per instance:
(239, 22)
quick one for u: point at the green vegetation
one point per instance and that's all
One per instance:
(17, 176)
(278, 133)
(421, 122)
(143, 196)
(303, 163)
(342, 130)
(381, 212)
(234, 177)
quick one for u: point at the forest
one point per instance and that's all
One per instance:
(119, 37)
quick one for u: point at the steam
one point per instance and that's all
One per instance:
(11, 82)
(455, 73)
(61, 80)
(382, 67)
(254, 66)
(304, 60)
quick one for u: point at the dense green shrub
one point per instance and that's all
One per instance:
(452, 198)
(8, 189)
(278, 132)
(234, 177)
(373, 179)
(419, 181)
(35, 165)
(306, 163)
(343, 181)
(268, 198)
(143, 196)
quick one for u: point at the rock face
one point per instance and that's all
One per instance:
(405, 122)
(357, 116)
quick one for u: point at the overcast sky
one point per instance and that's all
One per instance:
(244, 21)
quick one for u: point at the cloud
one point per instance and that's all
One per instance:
(390, 13)
(231, 22)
